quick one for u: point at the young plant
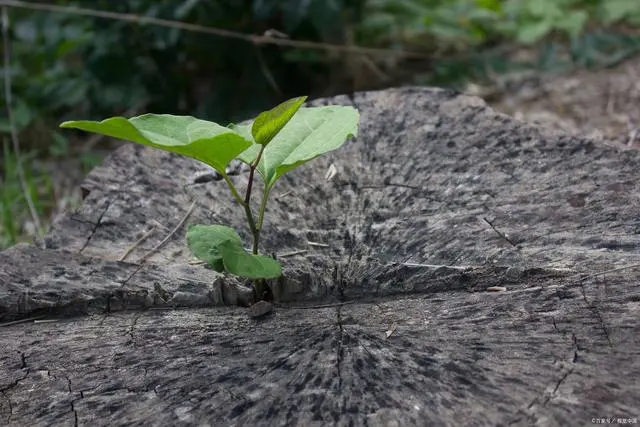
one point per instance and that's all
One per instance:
(276, 142)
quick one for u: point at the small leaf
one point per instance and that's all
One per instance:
(205, 242)
(530, 33)
(573, 23)
(221, 248)
(205, 141)
(23, 114)
(267, 125)
(60, 145)
(544, 9)
(237, 261)
(309, 134)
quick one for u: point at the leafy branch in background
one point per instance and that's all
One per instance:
(464, 23)
(473, 38)
(276, 142)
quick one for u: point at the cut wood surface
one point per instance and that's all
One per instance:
(459, 268)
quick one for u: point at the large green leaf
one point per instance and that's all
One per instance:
(221, 248)
(309, 134)
(269, 123)
(205, 141)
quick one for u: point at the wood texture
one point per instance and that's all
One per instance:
(461, 268)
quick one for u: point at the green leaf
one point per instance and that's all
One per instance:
(309, 134)
(5, 125)
(573, 23)
(544, 9)
(205, 141)
(205, 241)
(237, 261)
(59, 146)
(269, 123)
(530, 33)
(617, 10)
(221, 248)
(23, 114)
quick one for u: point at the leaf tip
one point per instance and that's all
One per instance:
(268, 123)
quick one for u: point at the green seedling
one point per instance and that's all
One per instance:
(276, 142)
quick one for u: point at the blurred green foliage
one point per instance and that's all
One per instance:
(564, 34)
(466, 23)
(13, 204)
(69, 65)
(66, 66)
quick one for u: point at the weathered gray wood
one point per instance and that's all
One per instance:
(46, 282)
(459, 282)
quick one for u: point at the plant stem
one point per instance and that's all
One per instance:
(247, 207)
(263, 205)
(259, 285)
(233, 189)
(252, 226)
(255, 231)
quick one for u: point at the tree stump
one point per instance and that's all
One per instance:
(460, 268)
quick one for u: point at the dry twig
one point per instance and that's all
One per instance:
(16, 322)
(316, 244)
(166, 239)
(137, 243)
(251, 38)
(293, 253)
(613, 270)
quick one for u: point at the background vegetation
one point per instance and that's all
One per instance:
(67, 60)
